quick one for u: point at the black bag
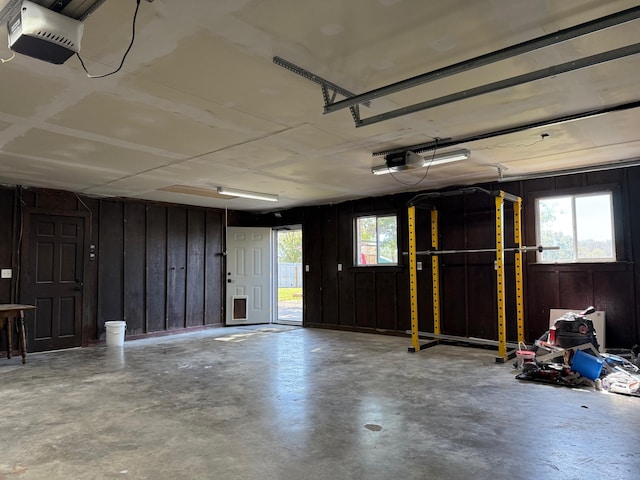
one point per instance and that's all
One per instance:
(575, 329)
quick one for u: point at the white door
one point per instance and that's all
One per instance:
(249, 292)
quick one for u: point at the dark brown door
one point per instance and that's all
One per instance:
(54, 282)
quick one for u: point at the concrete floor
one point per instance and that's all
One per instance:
(282, 402)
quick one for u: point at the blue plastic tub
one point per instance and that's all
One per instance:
(587, 365)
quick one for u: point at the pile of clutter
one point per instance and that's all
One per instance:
(568, 354)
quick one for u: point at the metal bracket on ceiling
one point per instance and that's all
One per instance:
(91, 9)
(8, 8)
(57, 6)
(452, 142)
(547, 40)
(329, 89)
(543, 73)
(355, 113)
(420, 148)
(501, 169)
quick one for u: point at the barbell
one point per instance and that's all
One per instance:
(538, 248)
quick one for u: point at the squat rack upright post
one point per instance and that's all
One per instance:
(500, 196)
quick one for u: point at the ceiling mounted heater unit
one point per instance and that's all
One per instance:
(41, 33)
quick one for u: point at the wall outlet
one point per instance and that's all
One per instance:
(418, 265)
(5, 273)
(306, 268)
(339, 267)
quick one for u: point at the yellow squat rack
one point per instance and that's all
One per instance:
(435, 253)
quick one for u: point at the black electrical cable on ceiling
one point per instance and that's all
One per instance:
(435, 148)
(133, 37)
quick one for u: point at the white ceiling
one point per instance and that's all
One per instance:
(199, 102)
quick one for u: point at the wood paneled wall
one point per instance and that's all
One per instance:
(377, 298)
(157, 267)
(7, 217)
(161, 267)
(610, 287)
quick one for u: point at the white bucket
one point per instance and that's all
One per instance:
(115, 333)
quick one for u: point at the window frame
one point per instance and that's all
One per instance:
(356, 239)
(609, 190)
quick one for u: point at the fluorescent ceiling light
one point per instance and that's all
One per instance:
(427, 160)
(232, 192)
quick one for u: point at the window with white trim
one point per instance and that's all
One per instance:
(376, 239)
(580, 225)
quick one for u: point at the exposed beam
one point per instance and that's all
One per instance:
(489, 58)
(506, 83)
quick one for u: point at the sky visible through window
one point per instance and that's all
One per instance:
(593, 214)
(580, 225)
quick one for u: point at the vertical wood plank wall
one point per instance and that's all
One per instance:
(160, 266)
(157, 267)
(7, 242)
(156, 270)
(376, 298)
